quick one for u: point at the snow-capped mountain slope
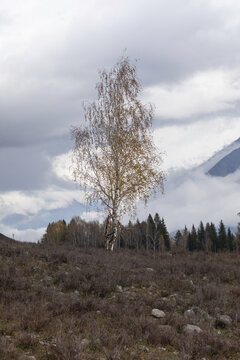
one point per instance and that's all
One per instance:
(224, 162)
(228, 165)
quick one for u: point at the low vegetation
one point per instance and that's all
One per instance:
(60, 302)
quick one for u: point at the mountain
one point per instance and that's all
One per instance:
(228, 165)
(224, 162)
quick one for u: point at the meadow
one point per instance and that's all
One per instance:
(70, 303)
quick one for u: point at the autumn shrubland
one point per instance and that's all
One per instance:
(69, 303)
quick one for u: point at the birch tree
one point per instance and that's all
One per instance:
(114, 157)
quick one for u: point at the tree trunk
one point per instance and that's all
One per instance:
(111, 231)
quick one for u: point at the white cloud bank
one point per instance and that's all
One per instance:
(197, 197)
(31, 204)
(188, 145)
(16, 202)
(203, 93)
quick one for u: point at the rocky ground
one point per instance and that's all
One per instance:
(65, 303)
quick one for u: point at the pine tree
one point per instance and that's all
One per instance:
(178, 237)
(150, 233)
(165, 234)
(201, 237)
(208, 241)
(213, 237)
(192, 239)
(230, 240)
(157, 221)
(157, 234)
(222, 237)
(141, 233)
(184, 239)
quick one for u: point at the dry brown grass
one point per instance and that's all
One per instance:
(52, 298)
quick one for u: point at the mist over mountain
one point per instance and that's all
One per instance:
(225, 162)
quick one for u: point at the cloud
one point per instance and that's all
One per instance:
(197, 197)
(188, 145)
(93, 215)
(203, 93)
(61, 166)
(26, 214)
(30, 203)
(51, 51)
(51, 54)
(30, 167)
(28, 235)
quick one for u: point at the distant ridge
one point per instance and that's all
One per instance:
(6, 239)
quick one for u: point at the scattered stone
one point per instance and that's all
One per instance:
(162, 348)
(85, 342)
(150, 269)
(42, 342)
(191, 282)
(144, 348)
(119, 288)
(171, 299)
(153, 286)
(223, 321)
(196, 313)
(173, 296)
(191, 329)
(189, 314)
(158, 313)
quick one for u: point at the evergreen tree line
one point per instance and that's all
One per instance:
(208, 238)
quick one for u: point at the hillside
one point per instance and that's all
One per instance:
(66, 303)
(5, 239)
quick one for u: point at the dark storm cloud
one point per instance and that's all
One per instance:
(34, 117)
(44, 89)
(23, 168)
(29, 167)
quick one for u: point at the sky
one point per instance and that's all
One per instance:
(188, 60)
